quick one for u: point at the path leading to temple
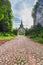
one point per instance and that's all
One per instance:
(21, 51)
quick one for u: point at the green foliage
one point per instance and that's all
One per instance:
(36, 33)
(40, 40)
(15, 31)
(26, 31)
(6, 36)
(5, 16)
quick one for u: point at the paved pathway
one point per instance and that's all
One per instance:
(21, 51)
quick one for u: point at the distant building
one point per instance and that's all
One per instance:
(21, 30)
(39, 13)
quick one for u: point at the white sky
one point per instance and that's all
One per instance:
(22, 9)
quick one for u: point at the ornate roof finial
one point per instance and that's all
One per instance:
(21, 24)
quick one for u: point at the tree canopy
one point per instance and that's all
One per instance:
(5, 16)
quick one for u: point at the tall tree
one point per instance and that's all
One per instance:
(5, 16)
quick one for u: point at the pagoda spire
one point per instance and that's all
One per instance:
(21, 24)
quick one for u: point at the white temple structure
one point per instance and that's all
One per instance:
(21, 30)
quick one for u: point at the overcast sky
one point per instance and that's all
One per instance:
(22, 10)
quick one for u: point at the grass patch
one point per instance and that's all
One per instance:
(37, 39)
(6, 36)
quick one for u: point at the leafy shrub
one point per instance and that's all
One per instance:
(36, 32)
(15, 31)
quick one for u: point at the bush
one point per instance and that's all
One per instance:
(36, 32)
(15, 31)
(40, 40)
